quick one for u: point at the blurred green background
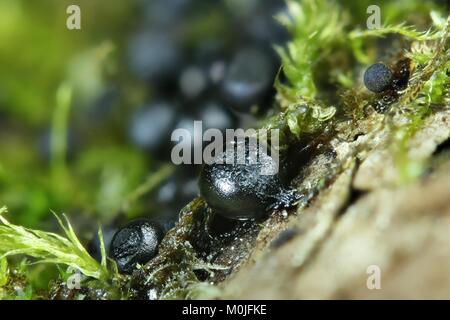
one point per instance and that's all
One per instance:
(53, 80)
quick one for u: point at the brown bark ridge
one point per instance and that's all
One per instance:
(367, 218)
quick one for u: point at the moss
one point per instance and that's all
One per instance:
(316, 28)
(319, 97)
(51, 248)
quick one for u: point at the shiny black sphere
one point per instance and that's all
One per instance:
(241, 191)
(137, 242)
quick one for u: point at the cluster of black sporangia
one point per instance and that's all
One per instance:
(238, 191)
(214, 79)
(219, 79)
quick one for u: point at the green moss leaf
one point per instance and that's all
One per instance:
(3, 271)
(49, 247)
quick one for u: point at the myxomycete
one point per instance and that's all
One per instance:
(378, 77)
(242, 190)
(137, 242)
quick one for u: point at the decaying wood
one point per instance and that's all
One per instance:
(364, 217)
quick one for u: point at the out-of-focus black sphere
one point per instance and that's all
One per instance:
(249, 79)
(150, 126)
(153, 55)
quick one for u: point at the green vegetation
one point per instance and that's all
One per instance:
(51, 248)
(327, 41)
(322, 65)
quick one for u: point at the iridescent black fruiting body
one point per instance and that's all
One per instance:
(137, 242)
(241, 191)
